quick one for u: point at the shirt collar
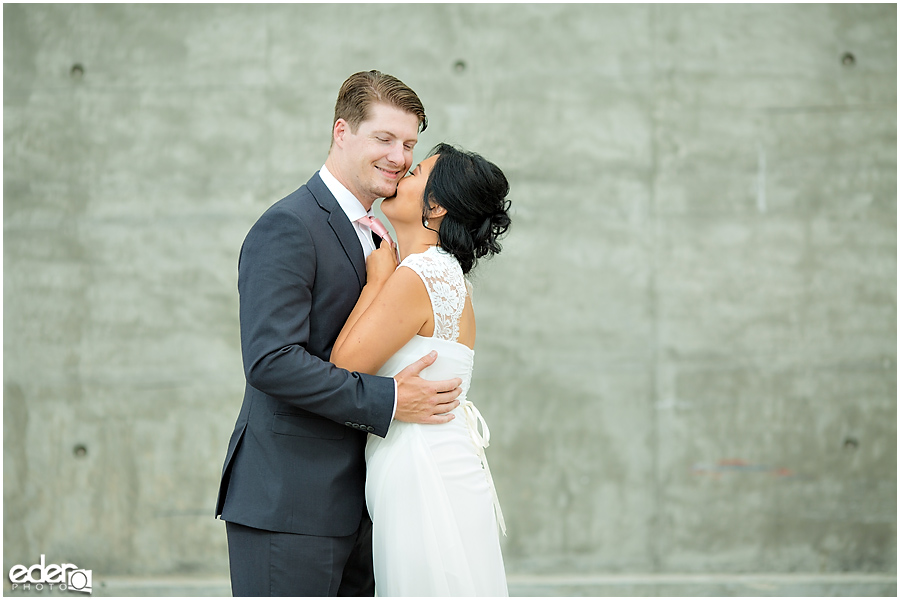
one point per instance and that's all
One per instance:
(352, 207)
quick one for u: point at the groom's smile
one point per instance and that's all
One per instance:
(390, 174)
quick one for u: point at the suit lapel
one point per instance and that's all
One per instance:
(341, 226)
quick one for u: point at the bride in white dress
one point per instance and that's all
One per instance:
(435, 513)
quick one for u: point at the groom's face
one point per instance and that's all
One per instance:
(380, 152)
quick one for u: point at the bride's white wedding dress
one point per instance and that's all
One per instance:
(429, 492)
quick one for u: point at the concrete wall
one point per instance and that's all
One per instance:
(687, 350)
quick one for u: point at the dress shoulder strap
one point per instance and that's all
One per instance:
(446, 287)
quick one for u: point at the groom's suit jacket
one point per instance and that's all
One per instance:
(295, 462)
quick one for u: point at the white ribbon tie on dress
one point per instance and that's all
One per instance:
(482, 440)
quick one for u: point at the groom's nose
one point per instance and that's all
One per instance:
(398, 155)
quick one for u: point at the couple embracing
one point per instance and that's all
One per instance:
(357, 462)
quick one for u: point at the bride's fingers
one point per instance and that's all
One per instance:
(389, 252)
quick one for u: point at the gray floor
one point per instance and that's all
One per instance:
(812, 584)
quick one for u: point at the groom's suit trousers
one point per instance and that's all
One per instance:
(268, 563)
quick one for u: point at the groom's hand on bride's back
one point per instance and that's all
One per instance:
(423, 401)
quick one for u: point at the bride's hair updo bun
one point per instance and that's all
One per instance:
(473, 192)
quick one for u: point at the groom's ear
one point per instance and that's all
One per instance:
(340, 129)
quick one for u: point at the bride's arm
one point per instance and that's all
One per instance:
(388, 314)
(379, 268)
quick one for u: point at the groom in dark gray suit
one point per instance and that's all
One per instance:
(292, 488)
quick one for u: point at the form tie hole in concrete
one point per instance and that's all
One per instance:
(459, 66)
(80, 451)
(851, 443)
(848, 60)
(77, 72)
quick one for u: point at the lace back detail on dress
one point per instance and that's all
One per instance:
(447, 288)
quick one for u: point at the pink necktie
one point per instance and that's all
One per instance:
(378, 227)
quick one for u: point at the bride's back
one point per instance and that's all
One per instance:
(452, 315)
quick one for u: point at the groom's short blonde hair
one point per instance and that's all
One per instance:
(365, 88)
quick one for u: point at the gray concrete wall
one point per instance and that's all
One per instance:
(687, 350)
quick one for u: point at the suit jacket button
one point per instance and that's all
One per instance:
(370, 428)
(348, 424)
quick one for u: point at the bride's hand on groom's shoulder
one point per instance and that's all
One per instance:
(381, 264)
(423, 401)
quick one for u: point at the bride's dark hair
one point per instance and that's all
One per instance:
(473, 192)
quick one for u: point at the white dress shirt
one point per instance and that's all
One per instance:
(354, 210)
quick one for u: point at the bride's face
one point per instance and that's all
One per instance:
(406, 205)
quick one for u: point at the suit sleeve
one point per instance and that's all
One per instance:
(276, 274)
